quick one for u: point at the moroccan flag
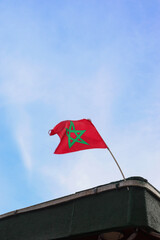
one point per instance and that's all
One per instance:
(76, 136)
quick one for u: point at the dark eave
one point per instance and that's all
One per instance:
(118, 206)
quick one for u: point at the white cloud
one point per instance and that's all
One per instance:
(23, 136)
(80, 171)
(137, 148)
(20, 83)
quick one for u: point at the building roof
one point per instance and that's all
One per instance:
(129, 207)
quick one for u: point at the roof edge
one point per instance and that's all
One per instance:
(129, 182)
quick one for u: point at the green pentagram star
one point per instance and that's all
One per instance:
(78, 134)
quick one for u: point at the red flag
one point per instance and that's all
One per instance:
(77, 135)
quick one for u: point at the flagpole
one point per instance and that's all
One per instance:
(117, 164)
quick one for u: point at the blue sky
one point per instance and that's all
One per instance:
(67, 59)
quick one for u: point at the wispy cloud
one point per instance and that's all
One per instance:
(23, 136)
(20, 83)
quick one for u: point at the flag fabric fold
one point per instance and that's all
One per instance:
(77, 135)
